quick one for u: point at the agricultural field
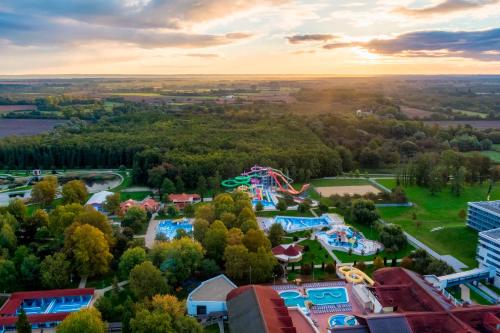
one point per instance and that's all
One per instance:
(414, 113)
(439, 211)
(23, 127)
(9, 108)
(470, 113)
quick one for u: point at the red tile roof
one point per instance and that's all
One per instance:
(183, 197)
(291, 251)
(16, 299)
(274, 316)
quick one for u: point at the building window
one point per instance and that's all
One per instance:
(201, 310)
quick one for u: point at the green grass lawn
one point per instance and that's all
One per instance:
(127, 181)
(316, 253)
(124, 196)
(215, 329)
(101, 281)
(339, 182)
(319, 275)
(440, 210)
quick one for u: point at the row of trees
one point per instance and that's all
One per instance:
(435, 171)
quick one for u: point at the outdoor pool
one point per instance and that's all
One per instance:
(169, 228)
(55, 304)
(318, 296)
(292, 224)
(342, 320)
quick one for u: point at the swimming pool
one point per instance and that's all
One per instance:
(292, 224)
(55, 304)
(317, 296)
(169, 228)
(342, 320)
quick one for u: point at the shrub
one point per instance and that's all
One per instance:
(330, 268)
(361, 265)
(306, 269)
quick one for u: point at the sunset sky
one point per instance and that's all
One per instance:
(342, 37)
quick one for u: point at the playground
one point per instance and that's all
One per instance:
(266, 186)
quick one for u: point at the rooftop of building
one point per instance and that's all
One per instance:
(16, 299)
(183, 197)
(258, 309)
(214, 289)
(493, 234)
(493, 206)
(99, 198)
(417, 307)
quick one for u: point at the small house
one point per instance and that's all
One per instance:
(210, 297)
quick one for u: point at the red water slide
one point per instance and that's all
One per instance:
(289, 188)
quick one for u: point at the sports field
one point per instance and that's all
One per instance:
(349, 190)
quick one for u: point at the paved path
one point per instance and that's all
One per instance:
(330, 252)
(83, 282)
(150, 236)
(98, 293)
(450, 260)
(137, 189)
(489, 292)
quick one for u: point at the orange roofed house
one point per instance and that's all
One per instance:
(149, 205)
(182, 200)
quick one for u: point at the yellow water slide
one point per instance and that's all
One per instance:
(354, 275)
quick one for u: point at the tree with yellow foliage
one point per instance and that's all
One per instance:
(89, 249)
(164, 313)
(74, 191)
(84, 321)
(44, 192)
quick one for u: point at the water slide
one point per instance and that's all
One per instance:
(354, 275)
(281, 180)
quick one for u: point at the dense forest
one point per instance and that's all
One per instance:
(201, 141)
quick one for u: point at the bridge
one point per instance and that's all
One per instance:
(455, 279)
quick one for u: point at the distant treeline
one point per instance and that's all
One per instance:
(202, 141)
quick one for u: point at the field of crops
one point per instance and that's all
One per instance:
(9, 108)
(26, 126)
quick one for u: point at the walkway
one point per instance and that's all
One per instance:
(98, 293)
(150, 236)
(83, 282)
(456, 264)
(138, 189)
(488, 291)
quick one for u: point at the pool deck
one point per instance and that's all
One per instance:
(322, 319)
